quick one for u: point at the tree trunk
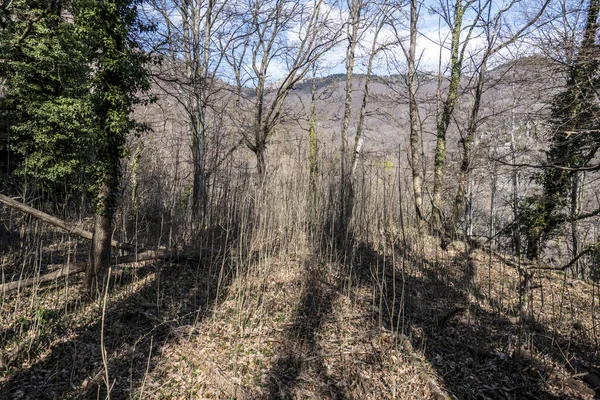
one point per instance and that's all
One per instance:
(533, 244)
(66, 226)
(438, 178)
(64, 271)
(415, 155)
(443, 123)
(312, 142)
(516, 234)
(467, 144)
(346, 189)
(100, 251)
(199, 182)
(463, 178)
(358, 139)
(195, 70)
(261, 128)
(575, 210)
(261, 164)
(347, 207)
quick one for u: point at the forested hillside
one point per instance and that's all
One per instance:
(299, 199)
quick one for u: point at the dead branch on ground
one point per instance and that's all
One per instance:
(66, 226)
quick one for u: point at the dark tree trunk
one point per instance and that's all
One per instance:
(347, 207)
(574, 214)
(261, 165)
(199, 186)
(533, 246)
(100, 252)
(445, 117)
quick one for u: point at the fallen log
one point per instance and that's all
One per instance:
(64, 270)
(152, 255)
(66, 226)
(549, 373)
(590, 376)
(567, 265)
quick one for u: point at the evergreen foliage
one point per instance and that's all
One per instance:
(45, 107)
(72, 73)
(574, 140)
(118, 77)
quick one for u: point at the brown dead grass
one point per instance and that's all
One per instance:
(262, 351)
(481, 331)
(293, 327)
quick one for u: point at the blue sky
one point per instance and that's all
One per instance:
(432, 45)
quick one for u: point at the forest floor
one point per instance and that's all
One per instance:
(420, 323)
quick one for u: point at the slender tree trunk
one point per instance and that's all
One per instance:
(467, 144)
(346, 189)
(575, 209)
(358, 139)
(195, 45)
(261, 131)
(446, 115)
(533, 243)
(514, 175)
(461, 186)
(64, 225)
(312, 141)
(199, 181)
(195, 21)
(201, 86)
(494, 189)
(415, 133)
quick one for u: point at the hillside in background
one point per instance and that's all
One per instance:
(513, 128)
(186, 213)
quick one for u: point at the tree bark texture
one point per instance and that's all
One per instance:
(100, 252)
(415, 145)
(446, 115)
(346, 189)
(312, 141)
(467, 143)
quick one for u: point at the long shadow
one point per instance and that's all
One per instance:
(301, 350)
(51, 319)
(578, 354)
(466, 344)
(134, 331)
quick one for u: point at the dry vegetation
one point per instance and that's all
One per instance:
(276, 308)
(276, 233)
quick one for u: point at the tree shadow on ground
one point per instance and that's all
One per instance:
(301, 350)
(135, 328)
(468, 346)
(52, 319)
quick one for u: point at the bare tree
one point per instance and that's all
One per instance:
(289, 35)
(361, 19)
(312, 136)
(453, 16)
(187, 35)
(410, 54)
(498, 34)
(355, 13)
